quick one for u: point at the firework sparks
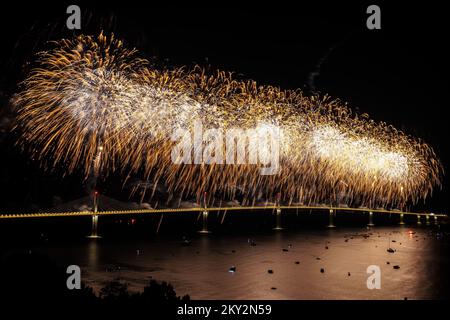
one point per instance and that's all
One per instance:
(91, 104)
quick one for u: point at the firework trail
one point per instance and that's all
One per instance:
(91, 104)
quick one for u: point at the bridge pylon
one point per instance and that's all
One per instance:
(278, 220)
(436, 222)
(94, 229)
(205, 217)
(370, 224)
(278, 226)
(94, 221)
(330, 219)
(419, 222)
(205, 223)
(401, 219)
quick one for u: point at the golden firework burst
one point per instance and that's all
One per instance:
(91, 104)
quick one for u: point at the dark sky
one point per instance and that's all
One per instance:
(398, 74)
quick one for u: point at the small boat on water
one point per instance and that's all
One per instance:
(390, 250)
(186, 242)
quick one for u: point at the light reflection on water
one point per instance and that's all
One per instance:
(201, 269)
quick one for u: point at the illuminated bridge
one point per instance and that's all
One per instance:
(205, 210)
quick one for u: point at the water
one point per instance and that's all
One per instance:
(202, 268)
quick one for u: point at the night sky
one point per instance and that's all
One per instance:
(398, 74)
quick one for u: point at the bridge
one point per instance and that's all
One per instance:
(205, 211)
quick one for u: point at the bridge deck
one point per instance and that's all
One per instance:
(186, 210)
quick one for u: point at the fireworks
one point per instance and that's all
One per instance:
(91, 105)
